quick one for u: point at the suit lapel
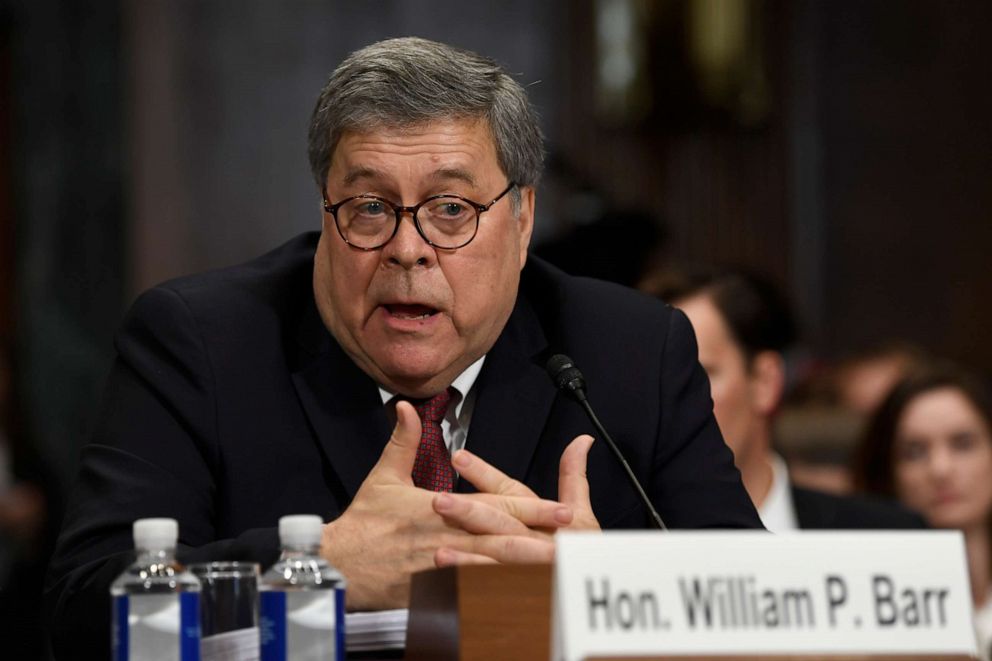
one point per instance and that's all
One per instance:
(513, 397)
(342, 404)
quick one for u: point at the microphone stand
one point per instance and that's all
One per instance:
(580, 397)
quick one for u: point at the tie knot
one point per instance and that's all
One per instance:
(433, 409)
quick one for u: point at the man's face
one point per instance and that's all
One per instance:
(411, 316)
(730, 380)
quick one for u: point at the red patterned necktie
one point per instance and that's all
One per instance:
(432, 469)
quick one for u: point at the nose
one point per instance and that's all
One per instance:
(940, 463)
(408, 249)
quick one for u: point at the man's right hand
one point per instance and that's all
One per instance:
(392, 530)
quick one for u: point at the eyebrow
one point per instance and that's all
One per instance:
(362, 173)
(440, 176)
(457, 174)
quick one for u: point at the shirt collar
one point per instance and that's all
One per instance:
(777, 513)
(462, 384)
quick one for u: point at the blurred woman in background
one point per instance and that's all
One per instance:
(930, 446)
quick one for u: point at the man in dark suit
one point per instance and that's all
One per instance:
(744, 326)
(270, 388)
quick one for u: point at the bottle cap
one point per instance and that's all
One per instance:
(300, 530)
(156, 533)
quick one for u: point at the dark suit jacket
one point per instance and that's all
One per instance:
(230, 405)
(816, 510)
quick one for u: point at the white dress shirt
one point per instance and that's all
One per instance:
(456, 421)
(983, 627)
(778, 513)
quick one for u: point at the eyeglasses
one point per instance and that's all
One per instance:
(448, 222)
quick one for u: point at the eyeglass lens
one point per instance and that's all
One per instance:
(447, 222)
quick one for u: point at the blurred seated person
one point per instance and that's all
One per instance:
(22, 500)
(930, 445)
(26, 531)
(822, 419)
(270, 388)
(817, 440)
(743, 326)
(862, 381)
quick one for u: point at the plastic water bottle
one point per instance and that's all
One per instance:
(156, 611)
(301, 598)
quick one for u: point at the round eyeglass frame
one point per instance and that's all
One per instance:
(398, 210)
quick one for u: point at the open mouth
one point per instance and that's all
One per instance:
(408, 311)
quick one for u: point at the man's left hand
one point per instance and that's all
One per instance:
(496, 540)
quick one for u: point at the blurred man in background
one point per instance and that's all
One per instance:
(743, 327)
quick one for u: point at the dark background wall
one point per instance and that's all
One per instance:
(863, 186)
(68, 184)
(842, 147)
(905, 108)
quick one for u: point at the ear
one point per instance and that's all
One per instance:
(767, 377)
(525, 221)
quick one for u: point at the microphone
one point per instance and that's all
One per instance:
(567, 378)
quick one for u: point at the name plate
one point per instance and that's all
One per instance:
(754, 593)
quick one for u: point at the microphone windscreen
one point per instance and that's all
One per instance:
(563, 372)
(557, 363)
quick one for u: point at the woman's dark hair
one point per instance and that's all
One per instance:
(874, 459)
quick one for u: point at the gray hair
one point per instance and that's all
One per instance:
(405, 82)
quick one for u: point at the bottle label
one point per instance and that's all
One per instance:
(189, 626)
(119, 629)
(272, 625)
(156, 626)
(306, 624)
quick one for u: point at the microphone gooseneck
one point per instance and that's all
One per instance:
(567, 378)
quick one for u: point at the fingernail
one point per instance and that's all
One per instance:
(443, 501)
(563, 515)
(461, 459)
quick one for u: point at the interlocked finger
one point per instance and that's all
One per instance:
(445, 557)
(508, 549)
(486, 478)
(487, 514)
